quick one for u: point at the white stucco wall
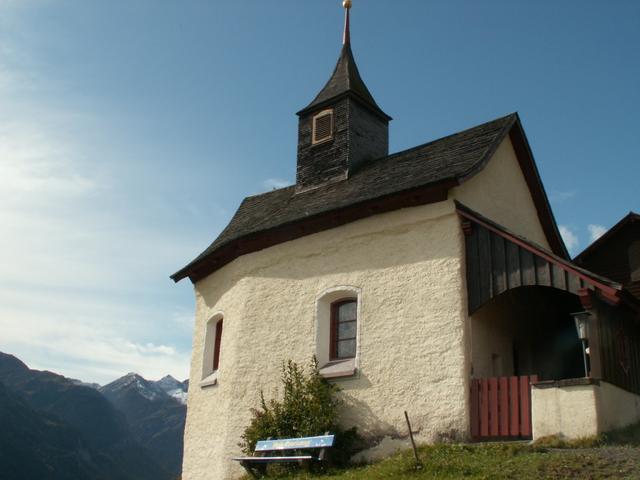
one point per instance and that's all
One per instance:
(408, 267)
(617, 408)
(570, 412)
(414, 342)
(492, 334)
(500, 193)
(582, 410)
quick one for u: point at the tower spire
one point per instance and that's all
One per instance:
(343, 127)
(346, 38)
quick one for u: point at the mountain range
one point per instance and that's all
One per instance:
(58, 428)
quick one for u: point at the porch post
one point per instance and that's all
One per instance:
(595, 346)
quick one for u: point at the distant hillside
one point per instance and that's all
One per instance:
(55, 428)
(155, 413)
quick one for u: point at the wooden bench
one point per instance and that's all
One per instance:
(257, 465)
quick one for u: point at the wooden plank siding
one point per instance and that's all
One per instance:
(495, 265)
(619, 346)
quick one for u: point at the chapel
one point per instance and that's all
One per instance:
(432, 280)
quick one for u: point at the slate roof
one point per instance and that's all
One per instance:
(450, 159)
(345, 80)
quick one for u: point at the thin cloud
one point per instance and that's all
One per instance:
(81, 348)
(275, 183)
(185, 319)
(562, 196)
(81, 288)
(596, 231)
(570, 238)
(33, 166)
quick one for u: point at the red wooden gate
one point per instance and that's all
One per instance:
(501, 408)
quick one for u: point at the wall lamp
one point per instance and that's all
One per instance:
(582, 327)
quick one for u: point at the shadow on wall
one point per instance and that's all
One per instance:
(370, 427)
(374, 430)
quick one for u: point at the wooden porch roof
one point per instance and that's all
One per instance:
(498, 260)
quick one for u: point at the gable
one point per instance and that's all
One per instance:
(500, 192)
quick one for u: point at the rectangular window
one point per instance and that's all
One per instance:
(344, 326)
(216, 350)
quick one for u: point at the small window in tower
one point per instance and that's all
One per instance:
(323, 126)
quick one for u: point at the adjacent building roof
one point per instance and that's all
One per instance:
(628, 219)
(609, 253)
(417, 176)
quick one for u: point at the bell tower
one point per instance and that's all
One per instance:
(343, 127)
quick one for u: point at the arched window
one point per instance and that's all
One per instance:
(212, 351)
(634, 261)
(344, 328)
(338, 331)
(216, 345)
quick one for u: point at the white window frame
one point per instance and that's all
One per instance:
(344, 367)
(209, 375)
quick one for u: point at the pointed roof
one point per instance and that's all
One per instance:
(346, 80)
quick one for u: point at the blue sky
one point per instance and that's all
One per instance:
(131, 130)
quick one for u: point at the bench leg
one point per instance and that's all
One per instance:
(256, 471)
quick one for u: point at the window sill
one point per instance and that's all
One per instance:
(339, 369)
(209, 381)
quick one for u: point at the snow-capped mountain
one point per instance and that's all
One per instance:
(133, 383)
(156, 416)
(54, 428)
(173, 388)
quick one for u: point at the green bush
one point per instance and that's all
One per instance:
(308, 407)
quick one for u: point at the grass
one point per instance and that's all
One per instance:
(614, 456)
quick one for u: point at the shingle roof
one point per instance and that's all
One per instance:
(450, 159)
(345, 79)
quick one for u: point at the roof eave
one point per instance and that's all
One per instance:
(375, 109)
(536, 187)
(255, 241)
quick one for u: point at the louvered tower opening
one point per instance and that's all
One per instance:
(323, 126)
